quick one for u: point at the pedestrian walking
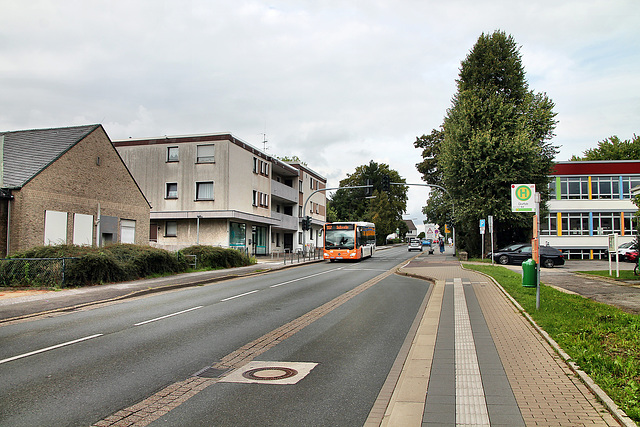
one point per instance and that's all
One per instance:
(441, 245)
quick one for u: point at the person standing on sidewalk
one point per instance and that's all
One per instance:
(441, 245)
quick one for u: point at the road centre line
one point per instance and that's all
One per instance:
(42, 350)
(168, 315)
(306, 277)
(238, 296)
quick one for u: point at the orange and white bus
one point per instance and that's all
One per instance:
(349, 240)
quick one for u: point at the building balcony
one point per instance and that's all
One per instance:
(283, 192)
(285, 222)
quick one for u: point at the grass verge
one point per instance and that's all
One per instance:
(624, 274)
(603, 340)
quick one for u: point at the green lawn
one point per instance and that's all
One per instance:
(604, 341)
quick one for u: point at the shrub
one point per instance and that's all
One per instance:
(211, 257)
(93, 268)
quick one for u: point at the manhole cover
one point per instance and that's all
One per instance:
(269, 373)
(261, 372)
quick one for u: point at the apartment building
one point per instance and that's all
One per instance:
(589, 201)
(311, 186)
(216, 189)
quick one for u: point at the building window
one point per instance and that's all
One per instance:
(204, 190)
(127, 231)
(171, 229)
(575, 224)
(605, 187)
(606, 223)
(629, 223)
(300, 186)
(260, 199)
(260, 167)
(172, 154)
(205, 153)
(237, 235)
(55, 228)
(574, 187)
(548, 226)
(172, 190)
(628, 182)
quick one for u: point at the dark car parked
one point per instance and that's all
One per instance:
(519, 252)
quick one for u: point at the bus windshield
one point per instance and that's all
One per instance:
(339, 239)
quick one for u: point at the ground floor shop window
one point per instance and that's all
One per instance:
(259, 239)
(237, 235)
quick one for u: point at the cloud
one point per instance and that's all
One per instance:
(338, 83)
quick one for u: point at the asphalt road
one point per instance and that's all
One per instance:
(78, 368)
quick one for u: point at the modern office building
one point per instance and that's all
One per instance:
(589, 200)
(216, 189)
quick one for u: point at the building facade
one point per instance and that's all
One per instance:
(588, 201)
(216, 189)
(64, 186)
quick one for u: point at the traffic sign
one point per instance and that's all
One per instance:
(523, 197)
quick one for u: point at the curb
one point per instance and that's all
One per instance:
(611, 406)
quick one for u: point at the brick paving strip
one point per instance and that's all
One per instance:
(159, 404)
(546, 389)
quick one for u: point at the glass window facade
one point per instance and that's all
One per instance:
(594, 187)
(588, 224)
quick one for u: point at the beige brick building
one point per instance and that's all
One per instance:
(67, 185)
(216, 189)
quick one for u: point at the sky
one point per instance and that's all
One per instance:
(337, 83)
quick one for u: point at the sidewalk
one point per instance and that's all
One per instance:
(475, 360)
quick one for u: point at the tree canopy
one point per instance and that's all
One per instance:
(496, 133)
(613, 148)
(383, 208)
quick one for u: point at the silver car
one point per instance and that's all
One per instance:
(414, 244)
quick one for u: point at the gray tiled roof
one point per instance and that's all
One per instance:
(28, 152)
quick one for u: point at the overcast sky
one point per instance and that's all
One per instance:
(337, 83)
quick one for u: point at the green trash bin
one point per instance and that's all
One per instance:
(529, 274)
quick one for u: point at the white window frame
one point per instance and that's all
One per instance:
(166, 191)
(202, 154)
(170, 158)
(166, 229)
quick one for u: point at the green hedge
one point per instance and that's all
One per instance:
(212, 257)
(121, 262)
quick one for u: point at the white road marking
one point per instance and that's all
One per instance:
(238, 296)
(306, 277)
(168, 315)
(31, 353)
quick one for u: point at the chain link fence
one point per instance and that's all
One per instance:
(34, 272)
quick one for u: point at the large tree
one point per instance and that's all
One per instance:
(613, 148)
(496, 133)
(384, 208)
